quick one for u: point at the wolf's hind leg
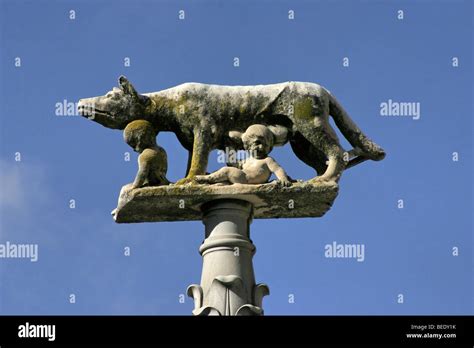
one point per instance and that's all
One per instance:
(312, 122)
(333, 152)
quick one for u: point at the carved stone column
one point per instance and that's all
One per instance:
(228, 282)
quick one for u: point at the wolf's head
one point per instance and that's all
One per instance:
(117, 108)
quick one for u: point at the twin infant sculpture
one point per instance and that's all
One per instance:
(257, 140)
(205, 117)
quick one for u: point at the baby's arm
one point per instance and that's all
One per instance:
(279, 172)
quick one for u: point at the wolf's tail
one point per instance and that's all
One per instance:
(353, 133)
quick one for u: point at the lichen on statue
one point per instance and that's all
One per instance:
(202, 115)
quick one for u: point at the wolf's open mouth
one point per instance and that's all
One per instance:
(89, 110)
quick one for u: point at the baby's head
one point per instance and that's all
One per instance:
(140, 135)
(258, 140)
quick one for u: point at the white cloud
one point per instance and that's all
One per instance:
(23, 189)
(11, 192)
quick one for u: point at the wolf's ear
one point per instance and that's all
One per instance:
(127, 87)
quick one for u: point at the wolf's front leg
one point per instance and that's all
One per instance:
(200, 154)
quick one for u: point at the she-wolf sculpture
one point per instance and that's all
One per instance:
(204, 117)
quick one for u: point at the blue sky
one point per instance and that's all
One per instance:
(408, 251)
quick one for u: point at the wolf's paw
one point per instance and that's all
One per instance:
(186, 181)
(200, 179)
(283, 183)
(322, 180)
